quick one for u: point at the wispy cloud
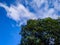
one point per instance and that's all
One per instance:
(42, 9)
(21, 14)
(18, 13)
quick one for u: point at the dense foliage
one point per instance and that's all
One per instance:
(41, 32)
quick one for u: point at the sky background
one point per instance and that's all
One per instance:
(14, 13)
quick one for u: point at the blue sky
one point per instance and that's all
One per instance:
(9, 32)
(14, 13)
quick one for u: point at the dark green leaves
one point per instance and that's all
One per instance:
(37, 32)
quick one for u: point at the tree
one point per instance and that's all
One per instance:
(41, 32)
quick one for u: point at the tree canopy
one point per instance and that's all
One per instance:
(41, 32)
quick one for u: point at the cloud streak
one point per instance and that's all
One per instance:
(18, 13)
(21, 14)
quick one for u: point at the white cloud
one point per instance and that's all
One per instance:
(45, 11)
(18, 13)
(21, 14)
(57, 5)
(38, 2)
